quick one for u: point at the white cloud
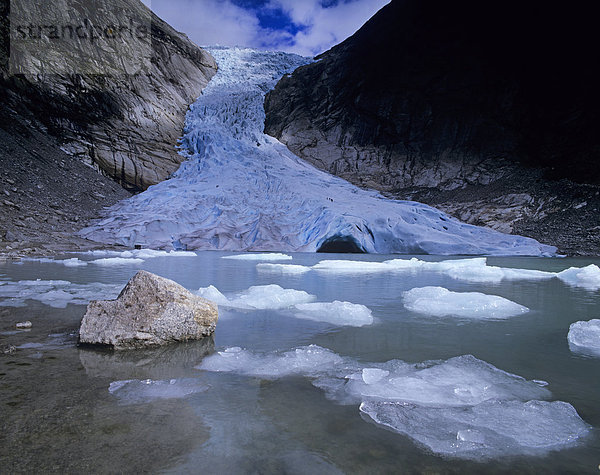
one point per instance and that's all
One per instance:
(326, 27)
(211, 22)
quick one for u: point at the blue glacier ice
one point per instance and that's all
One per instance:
(242, 190)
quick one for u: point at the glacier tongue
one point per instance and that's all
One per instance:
(240, 189)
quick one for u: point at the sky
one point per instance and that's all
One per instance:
(306, 27)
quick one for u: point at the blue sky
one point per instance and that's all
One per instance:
(306, 27)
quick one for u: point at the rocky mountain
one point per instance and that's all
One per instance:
(116, 103)
(466, 105)
(101, 85)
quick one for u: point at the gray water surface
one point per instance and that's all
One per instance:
(58, 414)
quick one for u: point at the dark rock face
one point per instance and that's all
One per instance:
(431, 96)
(441, 94)
(124, 122)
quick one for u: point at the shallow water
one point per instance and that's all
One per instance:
(65, 409)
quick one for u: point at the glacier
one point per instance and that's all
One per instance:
(242, 190)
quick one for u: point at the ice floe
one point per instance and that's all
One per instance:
(299, 303)
(117, 261)
(271, 256)
(460, 407)
(336, 313)
(587, 277)
(469, 270)
(141, 253)
(306, 361)
(261, 297)
(283, 268)
(135, 391)
(584, 337)
(441, 302)
(73, 262)
(55, 293)
(111, 258)
(492, 429)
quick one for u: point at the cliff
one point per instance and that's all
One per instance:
(71, 107)
(117, 102)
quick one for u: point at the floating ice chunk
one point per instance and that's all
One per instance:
(584, 337)
(373, 375)
(459, 381)
(73, 262)
(141, 253)
(488, 430)
(307, 360)
(351, 267)
(271, 256)
(461, 407)
(135, 391)
(55, 293)
(213, 294)
(117, 261)
(283, 268)
(440, 302)
(470, 270)
(587, 277)
(267, 297)
(152, 253)
(336, 312)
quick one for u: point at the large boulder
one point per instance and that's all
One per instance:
(149, 311)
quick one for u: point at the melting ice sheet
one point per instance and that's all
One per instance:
(584, 337)
(240, 189)
(136, 391)
(298, 302)
(441, 302)
(461, 407)
(55, 293)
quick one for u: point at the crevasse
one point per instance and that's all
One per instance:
(240, 189)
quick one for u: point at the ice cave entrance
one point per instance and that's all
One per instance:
(341, 244)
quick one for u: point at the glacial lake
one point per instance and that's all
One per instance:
(279, 390)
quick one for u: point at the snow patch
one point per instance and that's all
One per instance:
(441, 302)
(584, 337)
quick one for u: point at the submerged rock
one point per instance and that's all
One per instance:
(149, 311)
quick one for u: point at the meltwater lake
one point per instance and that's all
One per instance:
(378, 364)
